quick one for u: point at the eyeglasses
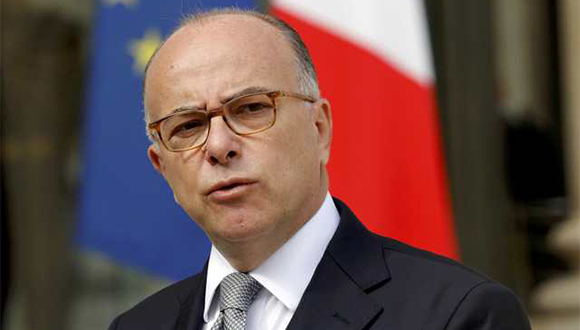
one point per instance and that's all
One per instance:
(244, 115)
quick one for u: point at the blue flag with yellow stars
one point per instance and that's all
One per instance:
(127, 210)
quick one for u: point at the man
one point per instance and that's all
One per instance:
(243, 137)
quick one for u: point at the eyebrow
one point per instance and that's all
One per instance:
(185, 108)
(243, 92)
(246, 91)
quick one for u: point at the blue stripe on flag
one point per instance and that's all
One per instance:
(127, 210)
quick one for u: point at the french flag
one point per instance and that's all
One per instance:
(374, 65)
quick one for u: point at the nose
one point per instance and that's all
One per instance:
(222, 144)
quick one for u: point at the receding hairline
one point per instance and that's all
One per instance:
(199, 18)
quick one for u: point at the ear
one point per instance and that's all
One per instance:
(324, 128)
(154, 156)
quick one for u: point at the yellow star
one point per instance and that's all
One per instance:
(142, 49)
(127, 3)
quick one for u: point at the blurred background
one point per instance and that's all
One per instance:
(486, 167)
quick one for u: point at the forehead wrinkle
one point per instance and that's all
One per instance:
(176, 56)
(244, 92)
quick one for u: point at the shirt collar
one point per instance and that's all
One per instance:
(287, 272)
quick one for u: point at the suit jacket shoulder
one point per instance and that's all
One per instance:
(420, 265)
(366, 281)
(170, 308)
(445, 294)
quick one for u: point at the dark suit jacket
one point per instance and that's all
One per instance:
(363, 281)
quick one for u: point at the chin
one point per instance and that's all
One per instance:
(240, 234)
(240, 226)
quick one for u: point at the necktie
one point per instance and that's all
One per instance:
(237, 291)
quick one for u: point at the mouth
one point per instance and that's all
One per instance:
(229, 189)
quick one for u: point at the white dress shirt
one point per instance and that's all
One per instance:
(284, 276)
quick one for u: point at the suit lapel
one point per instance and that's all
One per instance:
(352, 266)
(192, 305)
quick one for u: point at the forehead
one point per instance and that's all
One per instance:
(218, 55)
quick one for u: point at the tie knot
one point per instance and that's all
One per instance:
(238, 290)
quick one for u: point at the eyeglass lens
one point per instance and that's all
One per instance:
(244, 115)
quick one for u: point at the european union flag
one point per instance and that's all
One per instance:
(127, 210)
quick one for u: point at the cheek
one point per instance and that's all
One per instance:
(181, 176)
(300, 144)
(185, 183)
(295, 157)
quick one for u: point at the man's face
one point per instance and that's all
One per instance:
(275, 180)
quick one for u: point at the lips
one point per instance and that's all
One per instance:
(229, 189)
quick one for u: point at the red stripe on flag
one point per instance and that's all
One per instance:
(386, 160)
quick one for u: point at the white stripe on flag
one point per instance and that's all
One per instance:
(394, 30)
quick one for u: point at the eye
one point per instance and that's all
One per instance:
(252, 108)
(188, 128)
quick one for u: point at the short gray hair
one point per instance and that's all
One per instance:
(307, 78)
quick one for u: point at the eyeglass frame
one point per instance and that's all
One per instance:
(220, 111)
